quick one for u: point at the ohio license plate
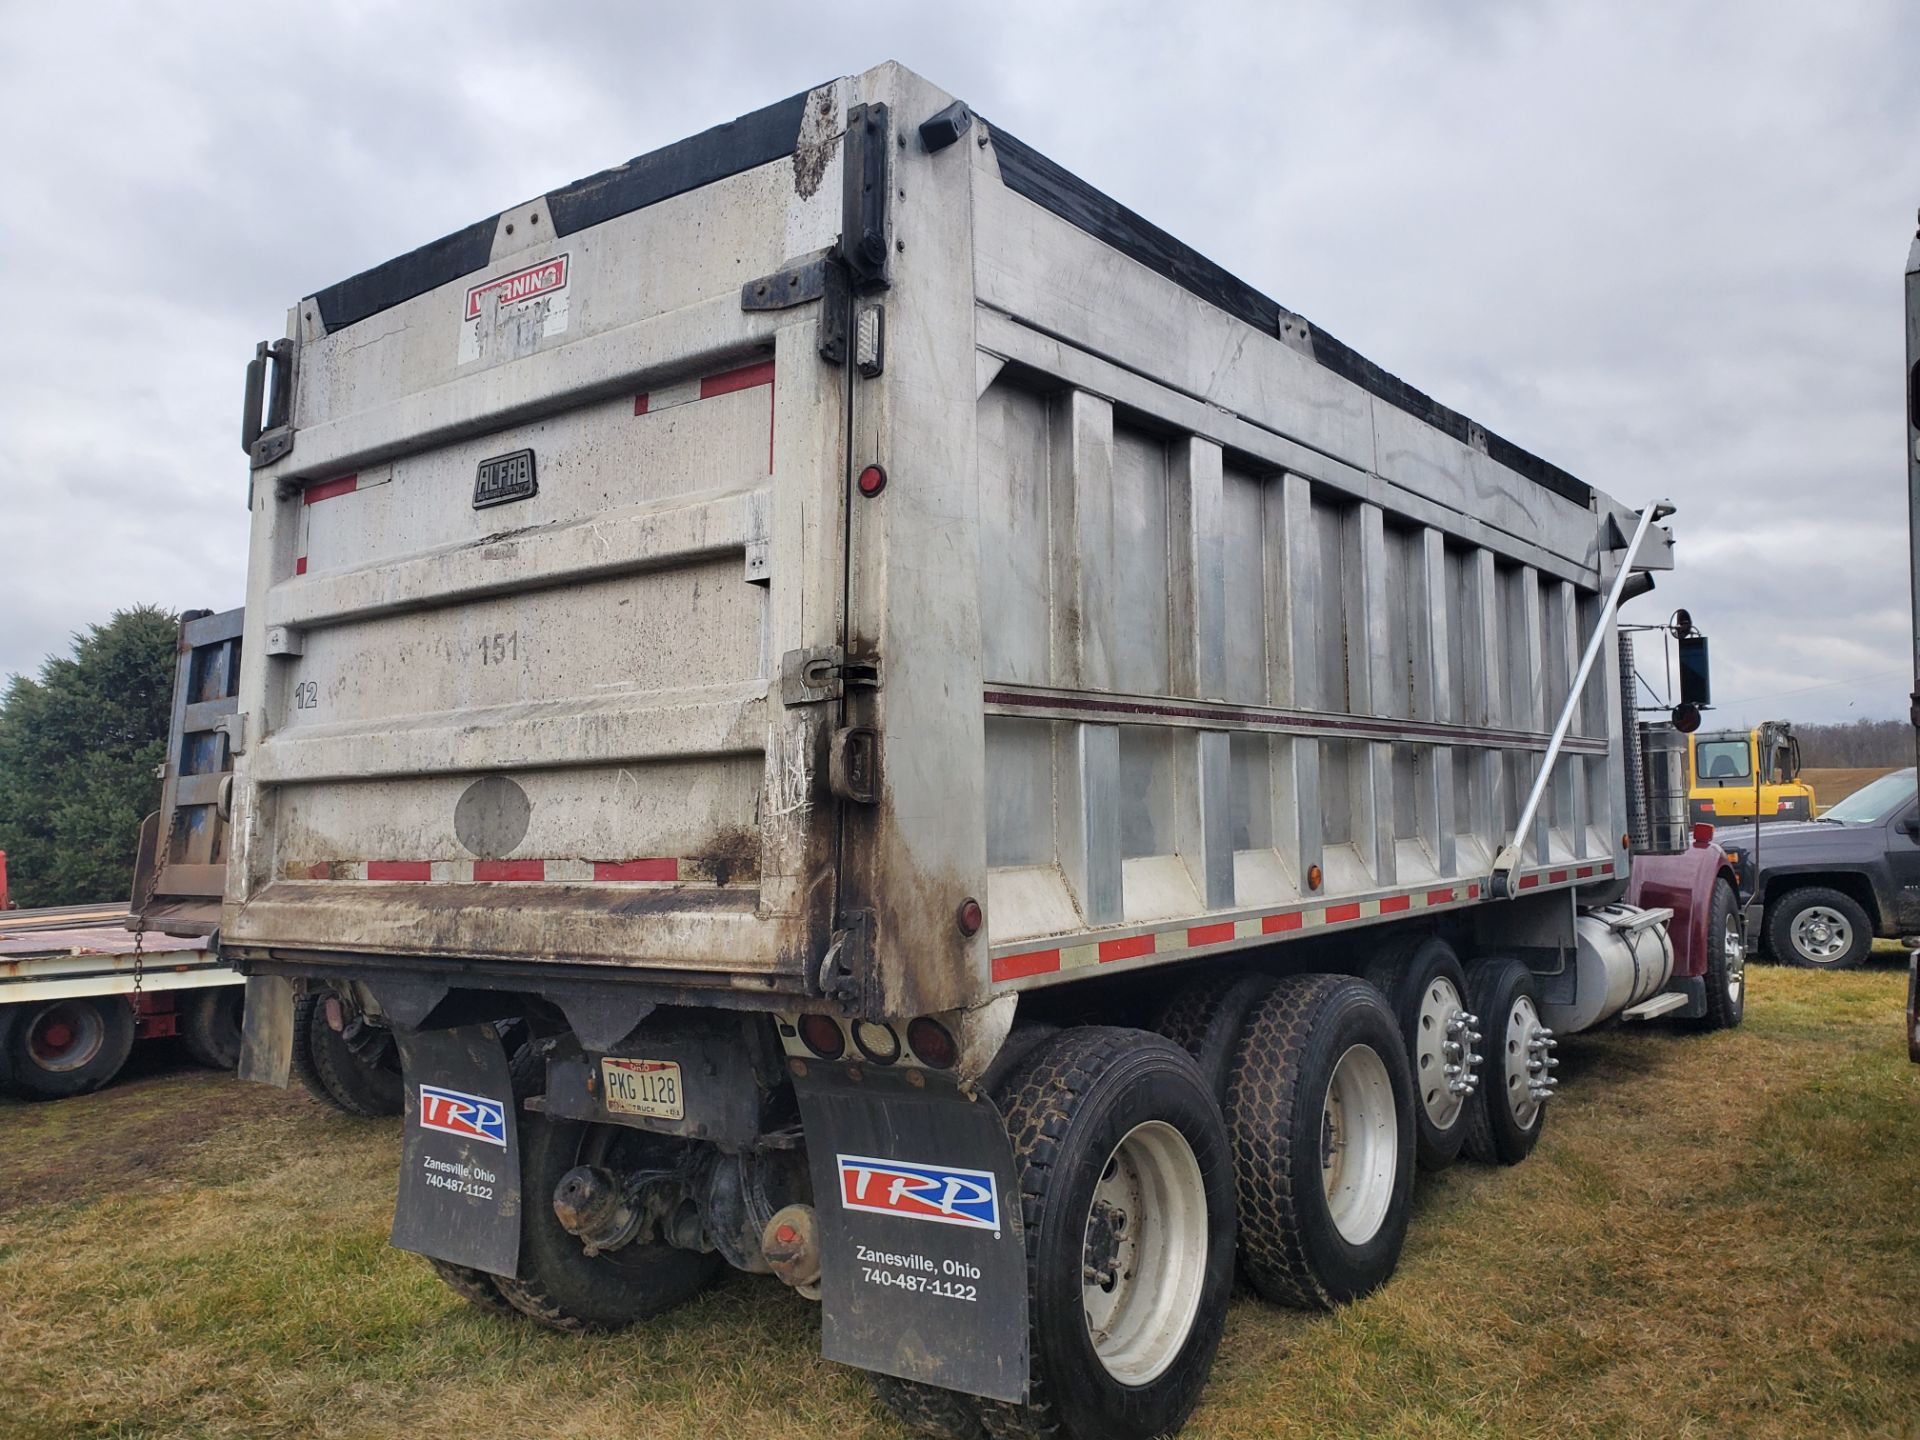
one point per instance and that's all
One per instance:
(643, 1087)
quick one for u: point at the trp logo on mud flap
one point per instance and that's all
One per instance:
(940, 1193)
(471, 1117)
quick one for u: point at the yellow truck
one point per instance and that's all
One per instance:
(1724, 764)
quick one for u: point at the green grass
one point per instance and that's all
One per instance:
(1719, 1235)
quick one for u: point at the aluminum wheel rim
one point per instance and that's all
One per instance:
(1736, 952)
(1144, 1253)
(65, 1036)
(1438, 1006)
(1821, 934)
(1523, 1024)
(1359, 1144)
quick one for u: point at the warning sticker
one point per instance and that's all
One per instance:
(509, 315)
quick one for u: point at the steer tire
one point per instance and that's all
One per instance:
(559, 1284)
(1782, 913)
(102, 1028)
(210, 1024)
(476, 1287)
(1417, 975)
(1292, 1247)
(1502, 1128)
(1726, 976)
(1092, 1108)
(928, 1409)
(1205, 1018)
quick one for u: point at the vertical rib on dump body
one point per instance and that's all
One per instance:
(1175, 626)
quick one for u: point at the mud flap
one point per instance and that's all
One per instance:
(266, 1031)
(460, 1165)
(923, 1264)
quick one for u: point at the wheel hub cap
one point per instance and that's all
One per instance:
(1359, 1144)
(1446, 1066)
(1529, 1062)
(1821, 934)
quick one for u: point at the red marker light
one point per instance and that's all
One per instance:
(872, 481)
(821, 1035)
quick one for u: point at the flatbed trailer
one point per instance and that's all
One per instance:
(997, 769)
(77, 989)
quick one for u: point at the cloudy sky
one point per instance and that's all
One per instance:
(1660, 244)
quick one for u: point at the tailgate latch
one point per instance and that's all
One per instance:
(809, 676)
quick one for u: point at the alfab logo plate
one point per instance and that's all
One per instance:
(504, 479)
(471, 1117)
(942, 1194)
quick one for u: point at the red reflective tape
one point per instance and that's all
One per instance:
(1209, 934)
(1527, 882)
(321, 871)
(1439, 897)
(300, 566)
(509, 869)
(1128, 949)
(327, 489)
(1558, 877)
(1473, 892)
(1584, 871)
(1274, 924)
(1034, 962)
(1394, 904)
(639, 404)
(636, 869)
(1337, 913)
(745, 378)
(400, 870)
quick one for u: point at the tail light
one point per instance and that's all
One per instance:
(933, 1043)
(821, 1035)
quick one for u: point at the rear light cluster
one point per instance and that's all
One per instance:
(927, 1041)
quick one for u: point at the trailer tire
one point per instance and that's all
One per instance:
(1102, 1116)
(210, 1025)
(476, 1287)
(929, 1410)
(1504, 1123)
(1426, 987)
(58, 1048)
(1726, 975)
(348, 1079)
(562, 1286)
(1818, 928)
(1314, 1234)
(1205, 1018)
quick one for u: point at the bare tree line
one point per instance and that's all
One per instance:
(1855, 743)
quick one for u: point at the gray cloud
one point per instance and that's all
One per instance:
(1660, 245)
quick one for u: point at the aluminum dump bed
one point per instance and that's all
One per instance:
(740, 570)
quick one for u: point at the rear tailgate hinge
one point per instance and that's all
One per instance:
(845, 962)
(825, 673)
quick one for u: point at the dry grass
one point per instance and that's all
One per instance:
(1719, 1235)
(1832, 786)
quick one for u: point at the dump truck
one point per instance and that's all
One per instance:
(999, 772)
(1748, 776)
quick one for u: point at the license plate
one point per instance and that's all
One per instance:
(644, 1087)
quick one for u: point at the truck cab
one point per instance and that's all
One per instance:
(1724, 763)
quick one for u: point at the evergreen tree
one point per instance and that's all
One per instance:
(80, 751)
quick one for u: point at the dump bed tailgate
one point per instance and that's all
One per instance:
(521, 585)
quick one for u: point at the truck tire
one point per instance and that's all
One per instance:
(1426, 988)
(210, 1024)
(476, 1287)
(57, 1048)
(559, 1284)
(929, 1410)
(1818, 928)
(1320, 1116)
(1119, 1127)
(1205, 1018)
(1726, 975)
(1505, 1121)
(361, 1081)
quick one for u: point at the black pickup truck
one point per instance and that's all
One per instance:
(1817, 892)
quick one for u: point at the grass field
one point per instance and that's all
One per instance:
(1719, 1235)
(1830, 787)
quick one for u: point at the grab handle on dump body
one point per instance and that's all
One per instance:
(1499, 884)
(267, 437)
